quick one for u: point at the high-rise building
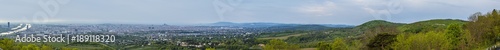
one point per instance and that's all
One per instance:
(8, 24)
(27, 27)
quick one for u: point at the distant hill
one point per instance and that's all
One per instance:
(429, 25)
(336, 25)
(375, 29)
(416, 27)
(377, 23)
(299, 27)
(242, 24)
(263, 24)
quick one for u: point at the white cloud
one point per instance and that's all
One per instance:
(323, 9)
(380, 9)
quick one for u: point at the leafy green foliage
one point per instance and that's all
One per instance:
(30, 47)
(454, 32)
(6, 43)
(210, 49)
(423, 41)
(339, 44)
(374, 33)
(67, 48)
(484, 29)
(356, 45)
(324, 46)
(45, 47)
(280, 45)
(381, 41)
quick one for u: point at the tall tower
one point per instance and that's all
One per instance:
(8, 24)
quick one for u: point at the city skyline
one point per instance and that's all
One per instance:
(349, 12)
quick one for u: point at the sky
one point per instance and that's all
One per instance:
(350, 12)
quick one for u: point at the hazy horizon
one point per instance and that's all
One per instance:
(182, 12)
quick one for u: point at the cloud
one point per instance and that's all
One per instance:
(322, 9)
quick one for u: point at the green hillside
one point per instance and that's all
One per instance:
(377, 23)
(429, 25)
(482, 31)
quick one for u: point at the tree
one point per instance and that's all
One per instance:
(474, 17)
(6, 43)
(67, 48)
(381, 41)
(30, 47)
(485, 29)
(356, 45)
(454, 32)
(210, 49)
(16, 47)
(467, 42)
(494, 13)
(496, 28)
(277, 44)
(324, 46)
(339, 44)
(423, 41)
(45, 47)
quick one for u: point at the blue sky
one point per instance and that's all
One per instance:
(351, 12)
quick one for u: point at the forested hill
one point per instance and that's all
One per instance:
(481, 31)
(376, 23)
(429, 25)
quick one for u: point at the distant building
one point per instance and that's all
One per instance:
(8, 24)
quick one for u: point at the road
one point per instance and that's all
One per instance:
(21, 27)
